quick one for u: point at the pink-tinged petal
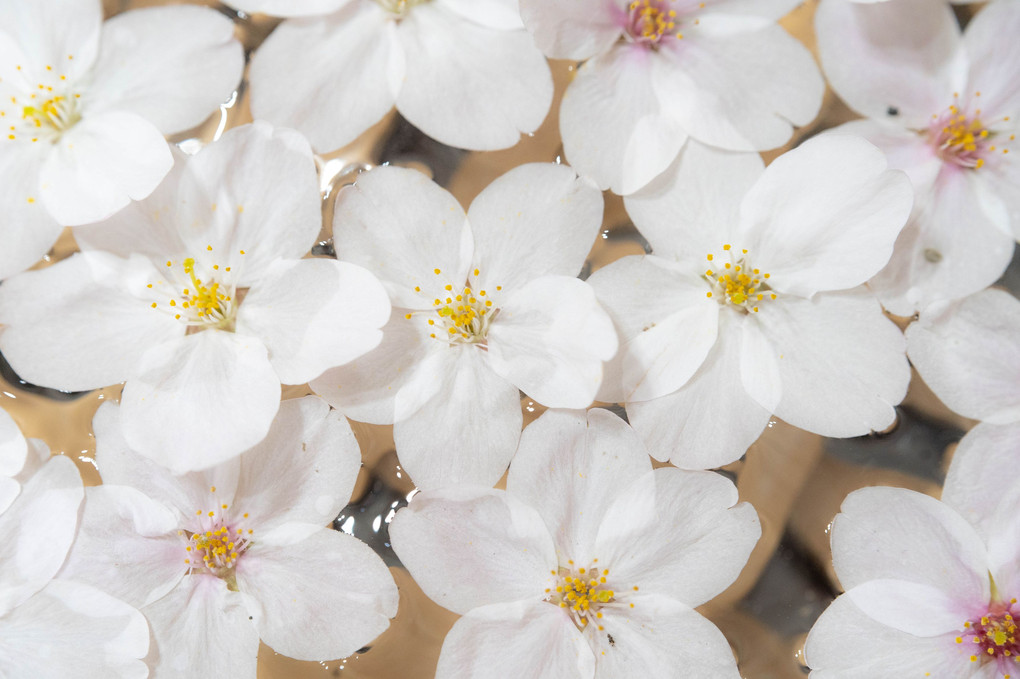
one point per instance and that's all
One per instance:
(101, 164)
(918, 609)
(722, 89)
(967, 352)
(500, 14)
(816, 224)
(13, 446)
(469, 546)
(898, 55)
(38, 529)
(847, 644)
(127, 546)
(314, 314)
(287, 8)
(934, 259)
(570, 466)
(401, 226)
(656, 638)
(692, 209)
(549, 339)
(172, 66)
(76, 326)
(330, 78)
(303, 471)
(538, 202)
(200, 400)
(323, 597)
(842, 362)
(572, 29)
(994, 58)
(27, 230)
(203, 628)
(904, 149)
(521, 639)
(694, 427)
(614, 128)
(47, 33)
(894, 534)
(470, 86)
(70, 629)
(468, 431)
(676, 533)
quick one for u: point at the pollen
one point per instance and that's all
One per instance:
(739, 284)
(583, 593)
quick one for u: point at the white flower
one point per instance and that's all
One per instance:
(659, 71)
(84, 106)
(944, 108)
(752, 301)
(50, 629)
(218, 559)
(462, 71)
(590, 564)
(931, 587)
(198, 299)
(484, 305)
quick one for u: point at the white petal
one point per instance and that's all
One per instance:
(567, 29)
(683, 536)
(890, 55)
(469, 546)
(904, 149)
(968, 353)
(613, 126)
(48, 32)
(759, 369)
(27, 229)
(994, 58)
(842, 362)
(287, 8)
(313, 314)
(202, 628)
(198, 401)
(521, 639)
(101, 164)
(468, 431)
(323, 597)
(692, 208)
(303, 471)
(70, 629)
(658, 637)
(470, 86)
(897, 534)
(328, 77)
(570, 466)
(13, 446)
(846, 644)
(921, 610)
(401, 226)
(550, 338)
(172, 66)
(815, 223)
(501, 14)
(538, 202)
(76, 326)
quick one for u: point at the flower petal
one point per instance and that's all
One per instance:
(13, 447)
(298, 582)
(287, 8)
(469, 546)
(500, 14)
(994, 58)
(27, 230)
(200, 400)
(904, 149)
(47, 33)
(567, 29)
(470, 86)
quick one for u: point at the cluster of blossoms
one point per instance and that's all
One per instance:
(765, 291)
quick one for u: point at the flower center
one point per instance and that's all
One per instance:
(460, 317)
(583, 593)
(737, 283)
(649, 21)
(197, 298)
(217, 544)
(399, 8)
(44, 112)
(993, 637)
(963, 139)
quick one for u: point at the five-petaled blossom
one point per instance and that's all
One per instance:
(590, 564)
(464, 72)
(752, 302)
(84, 106)
(218, 559)
(658, 72)
(51, 628)
(198, 298)
(931, 587)
(478, 313)
(945, 108)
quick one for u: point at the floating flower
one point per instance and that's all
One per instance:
(480, 311)
(659, 71)
(84, 106)
(944, 108)
(462, 71)
(590, 564)
(751, 303)
(218, 559)
(198, 299)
